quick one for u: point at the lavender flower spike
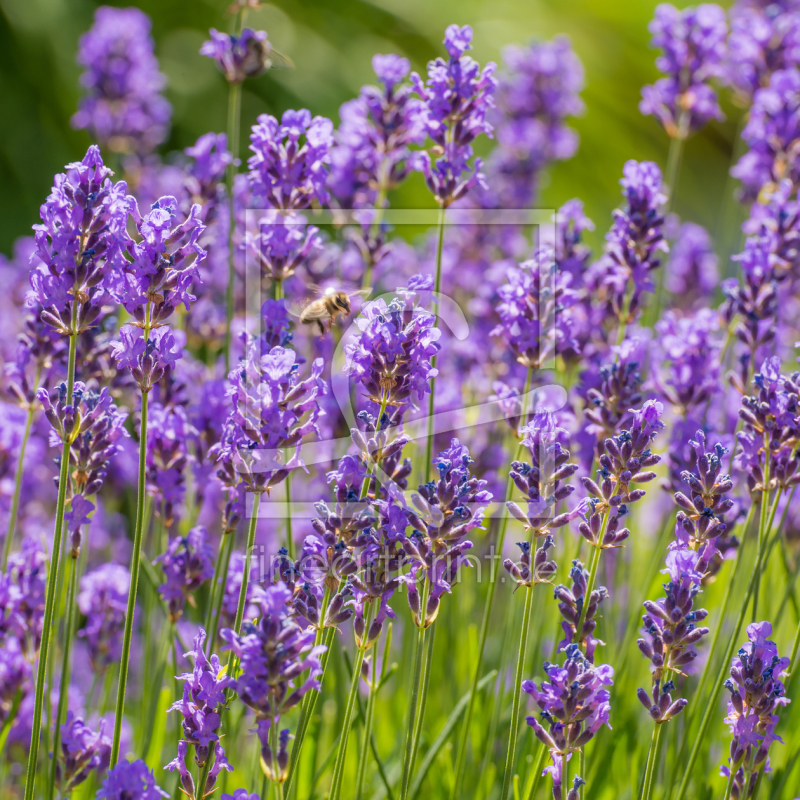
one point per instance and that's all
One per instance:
(130, 781)
(757, 694)
(239, 57)
(187, 564)
(456, 98)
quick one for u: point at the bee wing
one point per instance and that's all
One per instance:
(279, 60)
(296, 309)
(365, 293)
(313, 311)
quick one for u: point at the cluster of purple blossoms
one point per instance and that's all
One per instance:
(391, 358)
(187, 564)
(83, 751)
(619, 279)
(242, 56)
(770, 432)
(537, 90)
(169, 437)
(688, 354)
(130, 780)
(22, 598)
(772, 129)
(670, 628)
(92, 427)
(444, 512)
(206, 172)
(542, 485)
(273, 653)
(579, 625)
(694, 51)
(456, 100)
(534, 311)
(154, 284)
(573, 705)
(692, 274)
(371, 155)
(764, 38)
(123, 108)
(272, 410)
(201, 705)
(103, 600)
(757, 694)
(80, 244)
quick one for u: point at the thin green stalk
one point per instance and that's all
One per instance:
(729, 786)
(652, 760)
(512, 735)
(432, 397)
(234, 119)
(69, 634)
(52, 582)
(366, 738)
(344, 736)
(167, 645)
(582, 767)
(538, 768)
(212, 589)
(423, 701)
(240, 607)
(487, 613)
(762, 526)
(413, 700)
(289, 536)
(134, 584)
(220, 598)
(712, 701)
(12, 520)
(564, 775)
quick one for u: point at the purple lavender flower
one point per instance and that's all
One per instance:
(571, 601)
(444, 512)
(574, 705)
(764, 38)
(691, 274)
(273, 409)
(371, 155)
(571, 254)
(622, 276)
(247, 55)
(22, 596)
(391, 357)
(241, 794)
(169, 434)
(688, 354)
(456, 98)
(284, 241)
(148, 359)
(770, 429)
(202, 702)
(80, 244)
(206, 173)
(103, 599)
(757, 694)
(537, 90)
(130, 780)
(671, 632)
(534, 311)
(772, 128)
(274, 652)
(123, 108)
(83, 751)
(15, 669)
(187, 564)
(693, 45)
(286, 174)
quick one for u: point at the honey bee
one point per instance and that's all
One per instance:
(332, 303)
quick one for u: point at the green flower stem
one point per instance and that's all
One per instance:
(455, 794)
(289, 536)
(240, 607)
(212, 589)
(762, 526)
(12, 520)
(537, 771)
(432, 397)
(712, 701)
(344, 737)
(134, 584)
(234, 121)
(415, 686)
(220, 596)
(652, 763)
(515, 703)
(52, 583)
(426, 676)
(564, 776)
(729, 785)
(367, 735)
(69, 635)
(277, 784)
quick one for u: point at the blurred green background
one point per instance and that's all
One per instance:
(332, 44)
